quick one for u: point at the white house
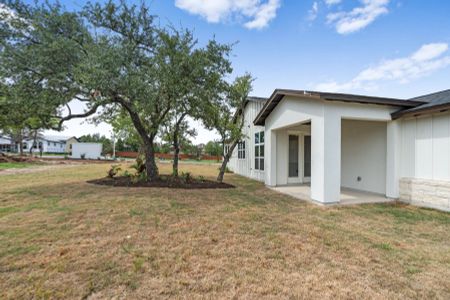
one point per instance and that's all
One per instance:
(48, 144)
(325, 143)
(6, 144)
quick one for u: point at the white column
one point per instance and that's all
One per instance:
(326, 157)
(270, 157)
(393, 135)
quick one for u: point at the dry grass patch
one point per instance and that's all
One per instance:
(64, 238)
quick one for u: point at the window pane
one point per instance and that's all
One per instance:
(256, 138)
(261, 151)
(257, 163)
(261, 164)
(261, 139)
(256, 151)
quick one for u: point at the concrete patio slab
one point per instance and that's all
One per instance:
(348, 196)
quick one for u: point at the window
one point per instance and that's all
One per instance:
(259, 151)
(241, 150)
(54, 144)
(226, 150)
(48, 143)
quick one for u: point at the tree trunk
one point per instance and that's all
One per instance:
(176, 154)
(150, 162)
(176, 145)
(148, 141)
(226, 159)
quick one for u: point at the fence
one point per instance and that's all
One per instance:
(168, 156)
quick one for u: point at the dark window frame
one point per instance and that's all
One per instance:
(259, 151)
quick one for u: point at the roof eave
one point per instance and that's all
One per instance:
(417, 112)
(279, 94)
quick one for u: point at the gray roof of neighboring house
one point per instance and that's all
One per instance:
(434, 102)
(52, 138)
(279, 94)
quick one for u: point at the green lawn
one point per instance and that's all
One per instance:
(64, 238)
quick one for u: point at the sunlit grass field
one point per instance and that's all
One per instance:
(64, 238)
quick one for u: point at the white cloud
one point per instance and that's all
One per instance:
(423, 62)
(312, 13)
(359, 17)
(332, 2)
(255, 13)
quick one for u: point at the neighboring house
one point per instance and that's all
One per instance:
(6, 144)
(328, 141)
(48, 144)
(69, 143)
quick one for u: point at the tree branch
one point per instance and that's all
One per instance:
(71, 116)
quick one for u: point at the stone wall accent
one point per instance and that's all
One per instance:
(426, 192)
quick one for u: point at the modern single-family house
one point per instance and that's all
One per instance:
(327, 146)
(6, 144)
(46, 144)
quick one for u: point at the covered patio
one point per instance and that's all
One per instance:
(347, 197)
(332, 152)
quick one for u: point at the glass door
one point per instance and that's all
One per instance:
(307, 158)
(293, 156)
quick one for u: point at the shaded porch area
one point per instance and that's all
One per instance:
(347, 197)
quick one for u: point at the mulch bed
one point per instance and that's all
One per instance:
(163, 181)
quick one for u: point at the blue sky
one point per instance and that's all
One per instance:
(394, 48)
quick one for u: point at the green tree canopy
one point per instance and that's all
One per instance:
(114, 59)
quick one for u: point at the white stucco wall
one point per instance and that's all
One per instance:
(363, 154)
(282, 149)
(425, 147)
(246, 167)
(325, 118)
(90, 150)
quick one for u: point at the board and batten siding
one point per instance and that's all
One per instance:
(246, 167)
(425, 147)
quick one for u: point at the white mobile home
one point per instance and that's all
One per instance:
(324, 143)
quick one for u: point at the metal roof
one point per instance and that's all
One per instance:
(279, 94)
(434, 102)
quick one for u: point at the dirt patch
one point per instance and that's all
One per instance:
(163, 181)
(4, 158)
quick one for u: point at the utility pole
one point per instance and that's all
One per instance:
(114, 145)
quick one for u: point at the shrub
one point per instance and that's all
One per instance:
(201, 178)
(113, 171)
(186, 177)
(83, 155)
(139, 166)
